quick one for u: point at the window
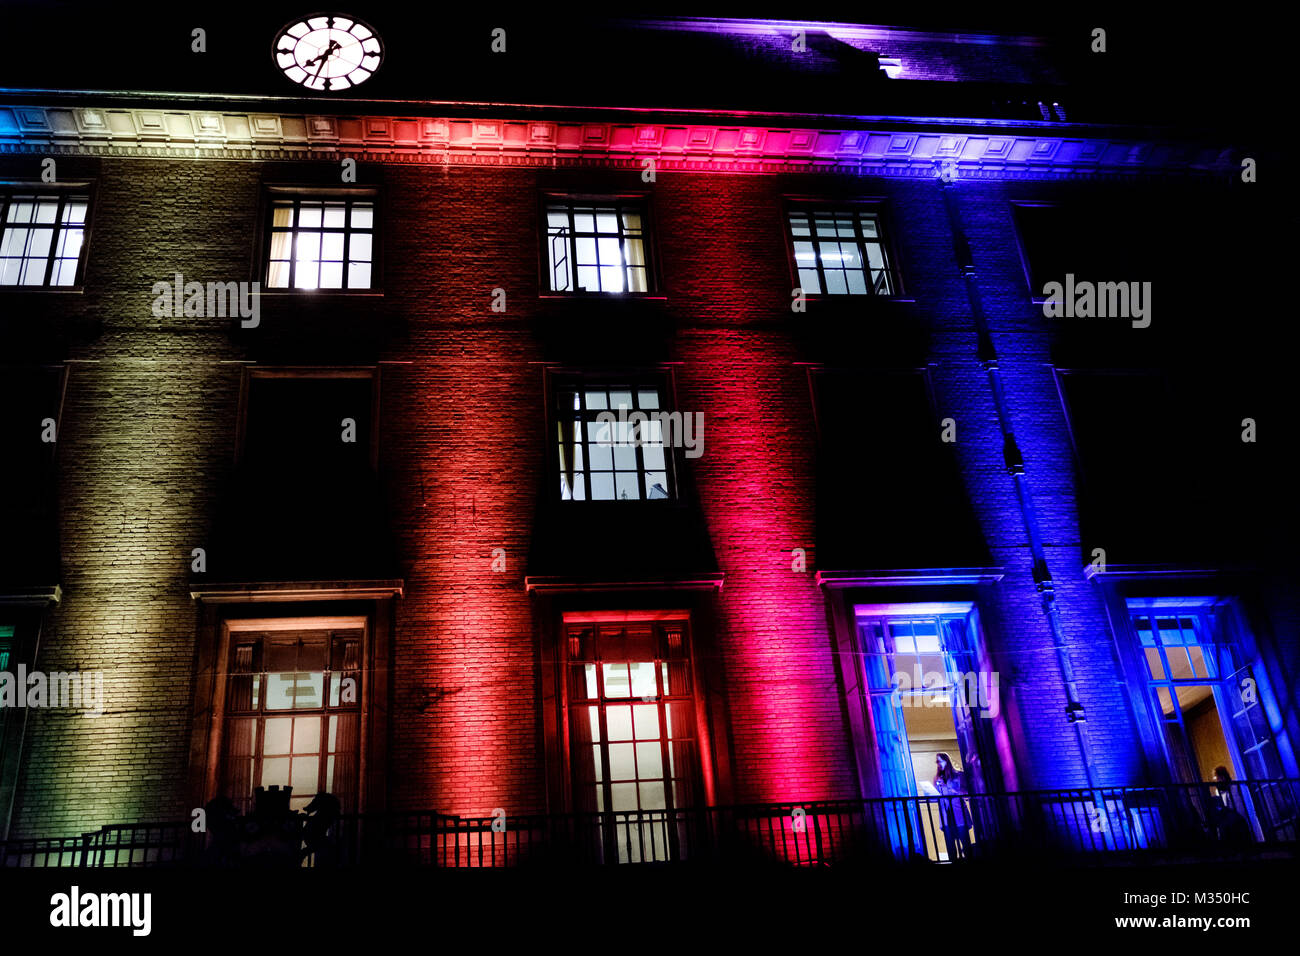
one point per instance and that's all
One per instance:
(841, 252)
(881, 439)
(321, 244)
(631, 733)
(928, 698)
(310, 419)
(1042, 245)
(597, 246)
(614, 441)
(42, 240)
(1196, 678)
(293, 715)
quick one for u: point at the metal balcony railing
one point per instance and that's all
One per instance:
(1205, 821)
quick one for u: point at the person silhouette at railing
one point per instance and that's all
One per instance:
(954, 818)
(318, 844)
(1226, 820)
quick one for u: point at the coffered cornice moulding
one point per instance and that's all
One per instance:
(908, 153)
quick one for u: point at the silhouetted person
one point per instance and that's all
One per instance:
(1228, 823)
(322, 813)
(222, 848)
(955, 821)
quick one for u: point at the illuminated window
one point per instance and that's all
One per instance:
(614, 442)
(1206, 694)
(597, 247)
(42, 240)
(321, 244)
(928, 698)
(631, 730)
(293, 716)
(841, 252)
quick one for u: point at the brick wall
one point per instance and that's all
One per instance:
(148, 440)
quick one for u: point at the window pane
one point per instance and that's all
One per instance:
(646, 721)
(611, 279)
(624, 457)
(626, 485)
(275, 773)
(306, 735)
(617, 683)
(609, 252)
(306, 776)
(363, 215)
(618, 722)
(21, 211)
(643, 679)
(359, 275)
(622, 761)
(331, 275)
(649, 760)
(277, 740)
(1154, 664)
(332, 246)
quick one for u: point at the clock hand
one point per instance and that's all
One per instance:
(325, 54)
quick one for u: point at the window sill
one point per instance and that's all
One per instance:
(323, 293)
(832, 299)
(41, 289)
(604, 296)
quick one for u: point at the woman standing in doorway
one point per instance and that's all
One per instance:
(951, 784)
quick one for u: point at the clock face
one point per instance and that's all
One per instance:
(328, 52)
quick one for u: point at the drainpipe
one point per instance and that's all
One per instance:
(988, 358)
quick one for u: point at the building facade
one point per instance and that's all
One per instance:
(617, 460)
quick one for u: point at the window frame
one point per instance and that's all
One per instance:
(880, 207)
(558, 380)
(271, 194)
(1036, 296)
(1090, 483)
(649, 222)
(370, 372)
(229, 629)
(1229, 629)
(8, 188)
(708, 768)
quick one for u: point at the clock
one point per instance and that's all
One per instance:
(328, 52)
